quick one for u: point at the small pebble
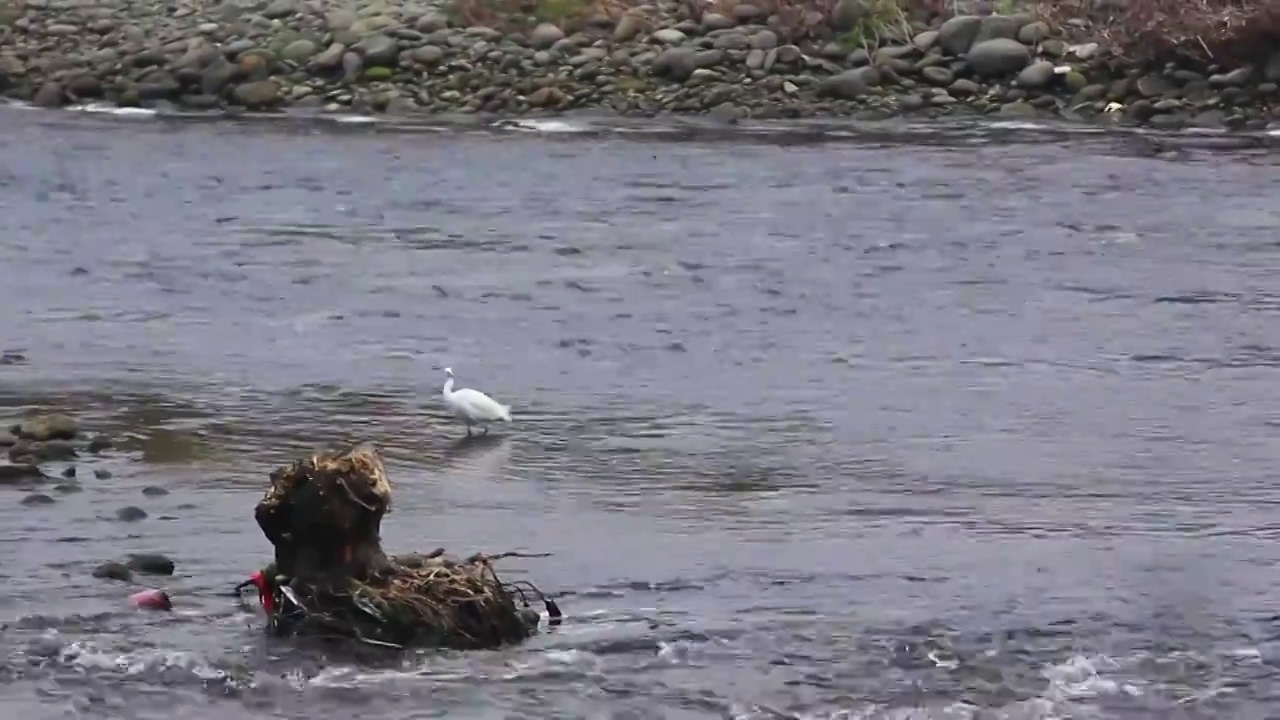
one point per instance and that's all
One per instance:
(38, 499)
(69, 472)
(154, 491)
(102, 474)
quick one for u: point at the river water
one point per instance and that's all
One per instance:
(933, 423)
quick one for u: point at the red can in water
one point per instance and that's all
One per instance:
(151, 600)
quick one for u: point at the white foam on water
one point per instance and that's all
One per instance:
(354, 119)
(18, 105)
(108, 109)
(1251, 655)
(1086, 676)
(1203, 131)
(1117, 238)
(656, 129)
(141, 663)
(1073, 688)
(545, 125)
(549, 663)
(345, 676)
(1020, 125)
(1059, 127)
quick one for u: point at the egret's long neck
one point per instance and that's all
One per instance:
(448, 387)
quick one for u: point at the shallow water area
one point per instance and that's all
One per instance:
(834, 421)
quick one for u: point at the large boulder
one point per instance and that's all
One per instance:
(998, 58)
(677, 63)
(217, 76)
(50, 95)
(257, 94)
(1037, 75)
(956, 35)
(998, 26)
(850, 84)
(544, 36)
(299, 51)
(1272, 69)
(378, 49)
(848, 13)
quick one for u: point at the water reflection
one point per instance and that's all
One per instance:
(493, 450)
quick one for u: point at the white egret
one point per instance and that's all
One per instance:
(472, 406)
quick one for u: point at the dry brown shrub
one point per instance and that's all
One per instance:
(797, 20)
(801, 19)
(793, 20)
(519, 15)
(1194, 32)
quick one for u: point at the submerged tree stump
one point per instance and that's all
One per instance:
(331, 576)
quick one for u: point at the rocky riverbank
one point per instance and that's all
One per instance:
(376, 56)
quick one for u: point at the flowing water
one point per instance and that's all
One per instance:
(953, 424)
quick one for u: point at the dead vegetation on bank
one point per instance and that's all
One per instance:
(1144, 32)
(1230, 33)
(792, 20)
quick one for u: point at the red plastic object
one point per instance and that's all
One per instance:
(151, 600)
(265, 599)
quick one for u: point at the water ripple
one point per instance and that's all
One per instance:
(822, 421)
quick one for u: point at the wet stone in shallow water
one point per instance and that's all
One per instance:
(56, 450)
(18, 473)
(48, 450)
(131, 513)
(55, 426)
(113, 571)
(44, 647)
(151, 563)
(100, 443)
(38, 499)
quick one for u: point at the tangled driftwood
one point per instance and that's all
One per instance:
(331, 577)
